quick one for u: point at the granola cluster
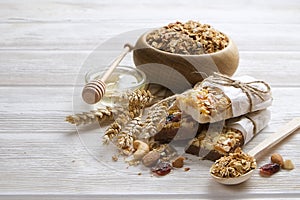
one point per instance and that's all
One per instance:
(174, 42)
(190, 38)
(233, 165)
(210, 101)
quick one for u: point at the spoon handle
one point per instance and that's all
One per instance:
(94, 90)
(275, 138)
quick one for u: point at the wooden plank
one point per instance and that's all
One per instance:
(147, 11)
(68, 36)
(62, 67)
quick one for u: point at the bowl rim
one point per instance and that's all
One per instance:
(144, 40)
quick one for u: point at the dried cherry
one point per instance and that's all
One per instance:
(269, 169)
(162, 168)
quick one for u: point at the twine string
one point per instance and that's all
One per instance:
(246, 87)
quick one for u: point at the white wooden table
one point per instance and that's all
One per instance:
(43, 45)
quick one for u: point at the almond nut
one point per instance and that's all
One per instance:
(288, 164)
(151, 158)
(277, 158)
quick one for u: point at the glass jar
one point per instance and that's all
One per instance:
(123, 79)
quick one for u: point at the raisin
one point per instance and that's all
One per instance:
(269, 169)
(173, 118)
(176, 118)
(162, 168)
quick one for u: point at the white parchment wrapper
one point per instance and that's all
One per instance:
(239, 100)
(258, 119)
(240, 103)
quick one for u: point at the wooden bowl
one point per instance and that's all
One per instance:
(180, 72)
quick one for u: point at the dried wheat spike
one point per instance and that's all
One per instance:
(128, 134)
(125, 143)
(111, 132)
(137, 100)
(134, 127)
(114, 129)
(156, 117)
(100, 114)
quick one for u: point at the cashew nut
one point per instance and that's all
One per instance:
(141, 149)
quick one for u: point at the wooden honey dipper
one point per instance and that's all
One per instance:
(95, 89)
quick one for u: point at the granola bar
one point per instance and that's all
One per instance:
(219, 97)
(212, 143)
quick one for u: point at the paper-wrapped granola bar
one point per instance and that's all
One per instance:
(219, 97)
(211, 144)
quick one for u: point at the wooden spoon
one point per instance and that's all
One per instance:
(269, 142)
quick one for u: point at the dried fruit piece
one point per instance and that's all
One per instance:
(277, 158)
(178, 162)
(162, 168)
(269, 169)
(174, 117)
(288, 164)
(151, 158)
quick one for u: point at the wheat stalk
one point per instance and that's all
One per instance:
(128, 134)
(156, 117)
(100, 114)
(124, 116)
(136, 100)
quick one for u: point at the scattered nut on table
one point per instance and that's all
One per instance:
(151, 158)
(277, 158)
(277, 163)
(141, 149)
(288, 164)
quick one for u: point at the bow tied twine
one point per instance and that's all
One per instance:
(246, 87)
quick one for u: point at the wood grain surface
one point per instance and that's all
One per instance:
(44, 46)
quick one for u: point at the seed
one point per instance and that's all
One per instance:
(269, 169)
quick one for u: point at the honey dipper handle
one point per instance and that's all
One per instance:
(95, 89)
(275, 138)
(127, 49)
